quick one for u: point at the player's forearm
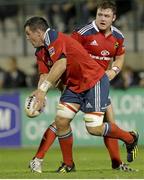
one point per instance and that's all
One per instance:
(42, 78)
(118, 63)
(53, 76)
(116, 67)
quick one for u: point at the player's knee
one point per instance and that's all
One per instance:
(65, 113)
(62, 123)
(93, 122)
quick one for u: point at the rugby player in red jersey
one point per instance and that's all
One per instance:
(105, 44)
(61, 57)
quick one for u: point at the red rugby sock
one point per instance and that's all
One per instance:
(46, 142)
(114, 152)
(66, 143)
(113, 131)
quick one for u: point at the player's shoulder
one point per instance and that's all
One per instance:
(117, 33)
(87, 29)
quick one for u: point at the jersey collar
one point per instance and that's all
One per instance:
(95, 26)
(112, 29)
(50, 36)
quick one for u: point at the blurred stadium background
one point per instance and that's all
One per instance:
(17, 130)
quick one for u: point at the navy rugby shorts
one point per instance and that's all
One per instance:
(95, 99)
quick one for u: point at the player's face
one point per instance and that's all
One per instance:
(35, 37)
(104, 19)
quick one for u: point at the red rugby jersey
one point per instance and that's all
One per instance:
(81, 74)
(102, 49)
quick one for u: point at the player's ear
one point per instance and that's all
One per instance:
(40, 33)
(114, 18)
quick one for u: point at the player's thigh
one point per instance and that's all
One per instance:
(69, 104)
(94, 122)
(97, 100)
(67, 108)
(65, 114)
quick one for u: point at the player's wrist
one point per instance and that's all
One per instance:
(116, 69)
(45, 86)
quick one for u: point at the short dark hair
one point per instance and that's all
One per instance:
(105, 4)
(37, 23)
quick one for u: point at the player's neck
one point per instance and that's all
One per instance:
(106, 32)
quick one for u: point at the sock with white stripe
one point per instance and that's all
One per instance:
(113, 131)
(46, 142)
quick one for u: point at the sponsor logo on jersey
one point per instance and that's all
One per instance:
(51, 51)
(105, 53)
(101, 58)
(94, 43)
(9, 119)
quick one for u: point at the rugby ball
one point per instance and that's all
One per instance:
(30, 103)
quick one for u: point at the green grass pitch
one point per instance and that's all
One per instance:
(91, 163)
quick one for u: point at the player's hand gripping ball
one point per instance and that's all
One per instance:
(30, 104)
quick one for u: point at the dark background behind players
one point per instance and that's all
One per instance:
(64, 15)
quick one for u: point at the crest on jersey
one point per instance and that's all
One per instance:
(105, 53)
(50, 63)
(116, 45)
(51, 51)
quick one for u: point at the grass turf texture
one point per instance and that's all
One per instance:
(91, 163)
